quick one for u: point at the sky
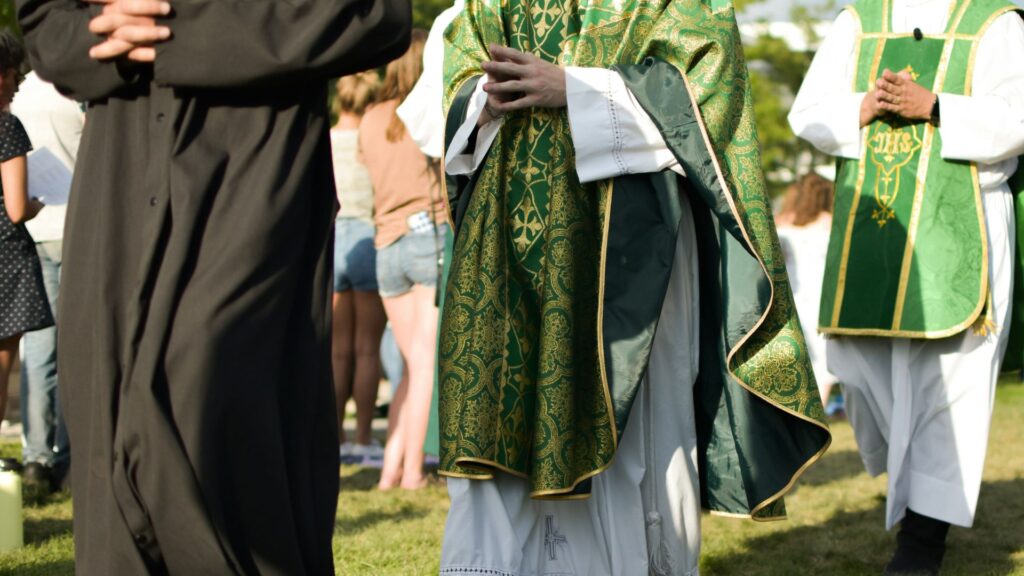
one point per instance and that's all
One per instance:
(780, 9)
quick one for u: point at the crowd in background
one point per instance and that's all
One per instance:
(38, 119)
(384, 178)
(389, 237)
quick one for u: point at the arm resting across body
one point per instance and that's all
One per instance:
(58, 40)
(612, 135)
(244, 43)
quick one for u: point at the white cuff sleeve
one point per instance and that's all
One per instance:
(832, 125)
(611, 132)
(458, 160)
(983, 129)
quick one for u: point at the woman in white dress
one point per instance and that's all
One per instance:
(804, 224)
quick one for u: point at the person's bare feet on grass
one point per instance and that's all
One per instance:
(415, 484)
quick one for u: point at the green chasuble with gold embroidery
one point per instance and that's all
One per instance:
(555, 287)
(908, 256)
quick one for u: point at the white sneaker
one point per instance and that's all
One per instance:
(370, 455)
(345, 452)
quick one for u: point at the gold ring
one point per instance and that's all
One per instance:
(492, 112)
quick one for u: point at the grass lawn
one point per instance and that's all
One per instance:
(835, 526)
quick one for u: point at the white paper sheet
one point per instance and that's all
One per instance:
(49, 179)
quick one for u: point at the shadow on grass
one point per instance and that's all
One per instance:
(402, 512)
(39, 530)
(834, 466)
(855, 543)
(361, 480)
(365, 479)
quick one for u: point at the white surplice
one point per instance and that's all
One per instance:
(921, 409)
(422, 111)
(643, 515)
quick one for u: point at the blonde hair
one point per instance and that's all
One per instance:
(806, 200)
(355, 92)
(399, 78)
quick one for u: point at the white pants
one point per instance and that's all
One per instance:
(643, 516)
(921, 409)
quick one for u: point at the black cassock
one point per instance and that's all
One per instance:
(194, 312)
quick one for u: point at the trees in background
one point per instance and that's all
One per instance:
(8, 18)
(776, 72)
(424, 11)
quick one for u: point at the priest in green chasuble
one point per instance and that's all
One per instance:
(922, 102)
(619, 346)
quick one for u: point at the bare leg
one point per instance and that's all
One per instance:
(401, 311)
(394, 450)
(342, 357)
(369, 327)
(8, 351)
(826, 392)
(416, 412)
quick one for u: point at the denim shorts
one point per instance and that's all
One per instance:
(355, 258)
(410, 260)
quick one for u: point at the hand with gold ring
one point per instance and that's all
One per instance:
(519, 80)
(489, 109)
(899, 94)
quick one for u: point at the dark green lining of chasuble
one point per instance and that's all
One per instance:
(459, 188)
(748, 450)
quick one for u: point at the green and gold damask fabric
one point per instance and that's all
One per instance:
(908, 254)
(555, 286)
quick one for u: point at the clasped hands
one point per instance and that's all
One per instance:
(518, 80)
(897, 93)
(129, 29)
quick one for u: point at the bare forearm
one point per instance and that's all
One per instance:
(14, 175)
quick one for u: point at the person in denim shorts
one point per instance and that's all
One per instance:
(359, 319)
(408, 213)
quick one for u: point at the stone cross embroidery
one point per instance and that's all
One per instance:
(552, 538)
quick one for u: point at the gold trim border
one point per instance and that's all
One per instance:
(746, 236)
(844, 260)
(912, 226)
(922, 171)
(602, 363)
(744, 516)
(858, 44)
(955, 20)
(874, 35)
(565, 493)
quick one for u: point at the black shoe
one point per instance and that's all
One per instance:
(34, 474)
(35, 481)
(60, 478)
(921, 544)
